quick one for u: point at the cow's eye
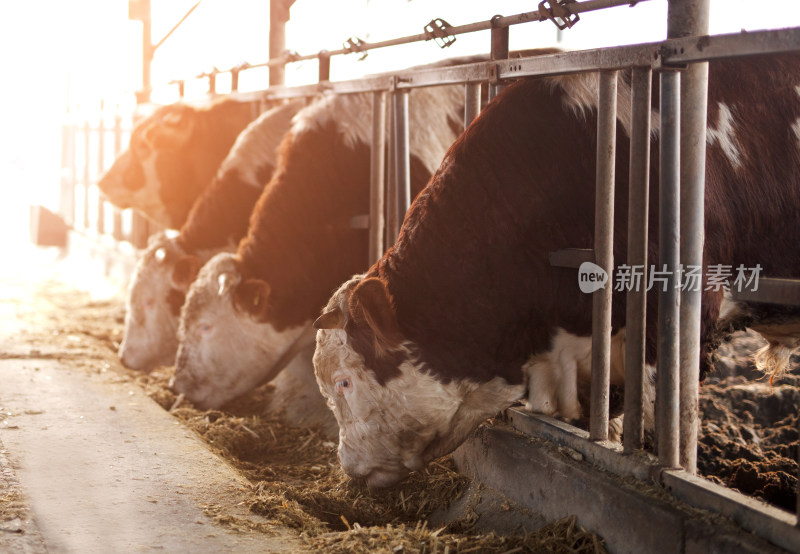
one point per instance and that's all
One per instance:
(204, 327)
(342, 385)
(149, 303)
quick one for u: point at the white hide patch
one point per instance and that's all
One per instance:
(385, 431)
(582, 92)
(429, 111)
(724, 135)
(149, 337)
(147, 198)
(296, 397)
(222, 352)
(257, 145)
(554, 376)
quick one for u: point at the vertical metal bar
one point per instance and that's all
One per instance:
(148, 50)
(278, 16)
(691, 19)
(67, 189)
(212, 83)
(73, 171)
(391, 179)
(499, 51)
(87, 159)
(117, 226)
(234, 80)
(669, 259)
(401, 157)
(636, 302)
(472, 102)
(324, 66)
(377, 223)
(603, 254)
(101, 147)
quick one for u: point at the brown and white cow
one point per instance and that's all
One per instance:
(173, 156)
(216, 223)
(414, 354)
(248, 314)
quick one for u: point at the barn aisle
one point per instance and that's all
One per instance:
(88, 462)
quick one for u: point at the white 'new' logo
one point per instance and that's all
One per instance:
(591, 277)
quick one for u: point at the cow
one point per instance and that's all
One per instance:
(247, 314)
(216, 223)
(173, 156)
(438, 334)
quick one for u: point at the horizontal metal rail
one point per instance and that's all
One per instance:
(672, 52)
(360, 46)
(755, 516)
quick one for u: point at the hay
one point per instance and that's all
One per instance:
(296, 479)
(562, 537)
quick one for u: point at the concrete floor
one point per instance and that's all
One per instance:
(102, 468)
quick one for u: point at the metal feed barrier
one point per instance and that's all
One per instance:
(680, 61)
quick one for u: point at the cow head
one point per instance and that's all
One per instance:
(226, 348)
(394, 415)
(155, 168)
(155, 296)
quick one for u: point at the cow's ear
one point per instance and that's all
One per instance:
(173, 128)
(371, 301)
(185, 272)
(252, 297)
(332, 319)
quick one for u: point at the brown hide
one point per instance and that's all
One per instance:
(300, 240)
(173, 156)
(469, 274)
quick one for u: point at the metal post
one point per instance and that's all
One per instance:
(391, 179)
(212, 83)
(234, 80)
(401, 158)
(636, 302)
(324, 66)
(603, 254)
(66, 202)
(278, 16)
(143, 13)
(499, 51)
(472, 102)
(87, 159)
(101, 139)
(117, 226)
(669, 259)
(691, 19)
(377, 224)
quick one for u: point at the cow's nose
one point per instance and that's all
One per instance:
(380, 479)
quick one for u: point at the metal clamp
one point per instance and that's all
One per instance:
(355, 44)
(558, 13)
(437, 30)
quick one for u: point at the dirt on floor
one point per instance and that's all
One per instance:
(748, 441)
(749, 426)
(296, 479)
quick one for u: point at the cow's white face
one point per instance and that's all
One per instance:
(225, 350)
(155, 296)
(389, 428)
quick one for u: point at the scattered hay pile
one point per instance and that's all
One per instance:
(296, 478)
(557, 538)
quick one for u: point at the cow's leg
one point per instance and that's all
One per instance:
(569, 408)
(541, 385)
